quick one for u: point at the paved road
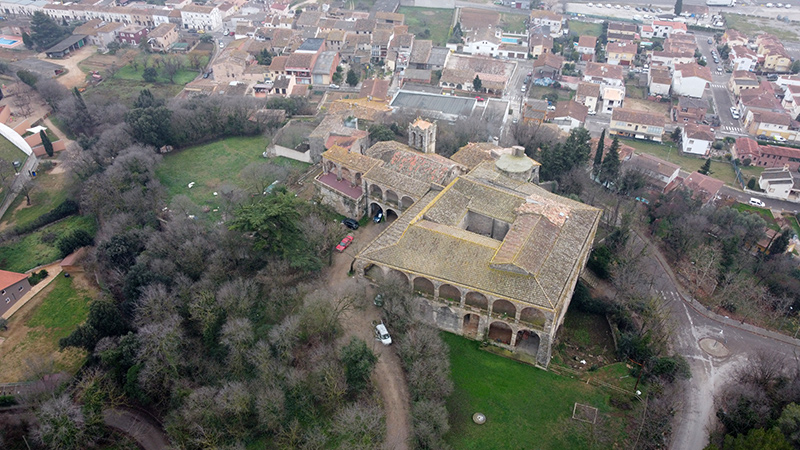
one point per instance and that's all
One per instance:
(732, 343)
(142, 429)
(721, 96)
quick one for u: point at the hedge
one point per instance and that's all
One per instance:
(64, 209)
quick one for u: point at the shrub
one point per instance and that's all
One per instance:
(751, 183)
(37, 277)
(7, 400)
(64, 209)
(73, 241)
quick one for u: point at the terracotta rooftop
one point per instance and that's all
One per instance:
(699, 131)
(694, 70)
(703, 186)
(638, 117)
(10, 278)
(587, 41)
(588, 90)
(603, 70)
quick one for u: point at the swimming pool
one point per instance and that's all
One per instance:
(4, 41)
(506, 40)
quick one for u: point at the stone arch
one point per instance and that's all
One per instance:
(346, 175)
(406, 202)
(357, 179)
(477, 300)
(449, 292)
(501, 306)
(532, 316)
(527, 341)
(391, 215)
(470, 325)
(396, 275)
(458, 86)
(330, 166)
(373, 272)
(500, 332)
(374, 208)
(424, 286)
(375, 190)
(391, 197)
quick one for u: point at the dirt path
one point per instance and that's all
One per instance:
(388, 374)
(148, 435)
(75, 77)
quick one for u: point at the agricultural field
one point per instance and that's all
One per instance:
(213, 165)
(30, 348)
(428, 23)
(522, 404)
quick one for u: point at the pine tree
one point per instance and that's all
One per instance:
(678, 7)
(706, 169)
(352, 77)
(477, 84)
(84, 121)
(598, 156)
(780, 243)
(27, 40)
(609, 170)
(48, 146)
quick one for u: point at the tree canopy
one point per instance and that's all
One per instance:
(45, 32)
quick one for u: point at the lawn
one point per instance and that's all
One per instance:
(182, 77)
(127, 91)
(668, 152)
(40, 247)
(34, 331)
(755, 25)
(585, 29)
(765, 214)
(50, 191)
(513, 22)
(538, 92)
(212, 165)
(794, 224)
(9, 152)
(437, 22)
(525, 407)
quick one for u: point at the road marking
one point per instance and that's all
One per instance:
(718, 85)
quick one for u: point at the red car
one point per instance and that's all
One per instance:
(345, 243)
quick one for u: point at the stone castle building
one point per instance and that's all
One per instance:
(489, 254)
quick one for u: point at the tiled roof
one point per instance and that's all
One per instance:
(770, 117)
(10, 278)
(588, 90)
(702, 185)
(587, 41)
(638, 117)
(603, 70)
(427, 167)
(536, 263)
(694, 70)
(474, 153)
(747, 146)
(351, 160)
(300, 61)
(699, 131)
(654, 165)
(571, 109)
(549, 60)
(421, 51)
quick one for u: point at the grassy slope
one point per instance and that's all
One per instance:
(29, 251)
(127, 91)
(182, 77)
(524, 405)
(763, 212)
(63, 307)
(437, 21)
(48, 194)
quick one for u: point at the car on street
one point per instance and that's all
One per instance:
(333, 86)
(710, 40)
(524, 89)
(779, 138)
(345, 243)
(350, 223)
(756, 202)
(734, 112)
(382, 334)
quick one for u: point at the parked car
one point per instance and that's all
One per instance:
(345, 243)
(779, 138)
(350, 223)
(710, 40)
(333, 86)
(378, 217)
(193, 31)
(382, 334)
(756, 202)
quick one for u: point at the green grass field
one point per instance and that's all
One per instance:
(9, 152)
(127, 91)
(525, 407)
(49, 192)
(585, 29)
(182, 77)
(29, 251)
(538, 92)
(669, 152)
(794, 224)
(766, 214)
(212, 165)
(513, 22)
(62, 310)
(436, 21)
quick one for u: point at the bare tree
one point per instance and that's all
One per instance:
(258, 176)
(172, 65)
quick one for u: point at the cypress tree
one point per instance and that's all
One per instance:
(598, 156)
(48, 146)
(609, 170)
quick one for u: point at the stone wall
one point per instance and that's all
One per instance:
(341, 204)
(277, 150)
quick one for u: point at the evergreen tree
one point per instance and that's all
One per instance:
(678, 7)
(706, 169)
(27, 40)
(598, 156)
(779, 245)
(83, 118)
(352, 77)
(676, 135)
(146, 100)
(45, 32)
(477, 84)
(48, 146)
(609, 170)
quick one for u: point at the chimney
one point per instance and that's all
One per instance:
(518, 151)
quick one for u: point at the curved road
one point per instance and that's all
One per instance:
(732, 343)
(141, 428)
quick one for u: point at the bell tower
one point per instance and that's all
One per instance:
(422, 135)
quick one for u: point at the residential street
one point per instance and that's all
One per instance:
(726, 345)
(721, 96)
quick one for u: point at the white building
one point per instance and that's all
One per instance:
(780, 182)
(742, 58)
(198, 17)
(690, 79)
(696, 139)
